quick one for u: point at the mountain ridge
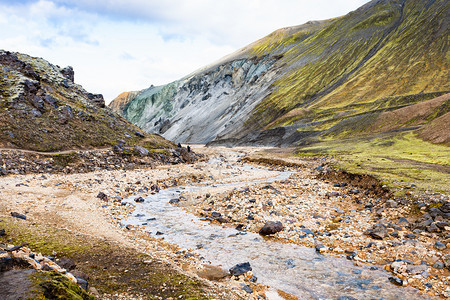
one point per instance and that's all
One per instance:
(385, 55)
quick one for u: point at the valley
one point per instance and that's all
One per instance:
(353, 218)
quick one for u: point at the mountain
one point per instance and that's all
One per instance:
(327, 79)
(41, 108)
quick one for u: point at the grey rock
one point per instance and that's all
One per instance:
(68, 73)
(240, 269)
(438, 265)
(446, 259)
(66, 263)
(247, 288)
(410, 236)
(440, 246)
(416, 269)
(139, 200)
(18, 215)
(391, 203)
(138, 134)
(395, 280)
(378, 231)
(141, 150)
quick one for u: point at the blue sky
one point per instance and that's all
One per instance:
(123, 45)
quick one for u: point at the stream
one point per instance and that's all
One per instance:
(289, 267)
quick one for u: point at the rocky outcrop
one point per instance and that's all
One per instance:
(42, 108)
(203, 106)
(329, 78)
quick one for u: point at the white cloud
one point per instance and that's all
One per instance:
(119, 45)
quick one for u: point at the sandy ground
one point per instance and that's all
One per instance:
(71, 202)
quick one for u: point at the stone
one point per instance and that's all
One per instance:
(19, 216)
(71, 277)
(395, 280)
(82, 282)
(378, 231)
(118, 148)
(346, 298)
(306, 232)
(445, 208)
(67, 263)
(416, 269)
(410, 236)
(102, 196)
(215, 215)
(139, 200)
(441, 225)
(271, 228)
(391, 203)
(432, 228)
(247, 288)
(240, 269)
(138, 134)
(440, 246)
(68, 73)
(438, 265)
(320, 248)
(399, 267)
(212, 273)
(141, 150)
(446, 259)
(2, 232)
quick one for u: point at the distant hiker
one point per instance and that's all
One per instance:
(189, 148)
(179, 145)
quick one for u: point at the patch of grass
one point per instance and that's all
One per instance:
(54, 286)
(399, 159)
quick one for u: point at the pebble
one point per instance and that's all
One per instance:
(18, 215)
(395, 280)
(440, 246)
(139, 200)
(438, 265)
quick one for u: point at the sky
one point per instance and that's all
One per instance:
(126, 45)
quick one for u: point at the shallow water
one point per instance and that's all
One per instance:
(288, 267)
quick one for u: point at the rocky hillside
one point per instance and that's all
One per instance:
(41, 108)
(331, 79)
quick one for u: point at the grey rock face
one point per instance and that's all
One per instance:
(211, 104)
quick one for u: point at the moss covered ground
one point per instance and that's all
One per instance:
(111, 269)
(398, 159)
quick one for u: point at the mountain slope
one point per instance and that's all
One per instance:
(41, 108)
(309, 82)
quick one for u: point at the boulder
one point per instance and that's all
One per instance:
(271, 228)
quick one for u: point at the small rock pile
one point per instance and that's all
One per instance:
(20, 256)
(18, 162)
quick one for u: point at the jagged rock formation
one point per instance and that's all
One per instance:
(323, 79)
(41, 108)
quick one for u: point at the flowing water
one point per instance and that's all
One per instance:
(292, 268)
